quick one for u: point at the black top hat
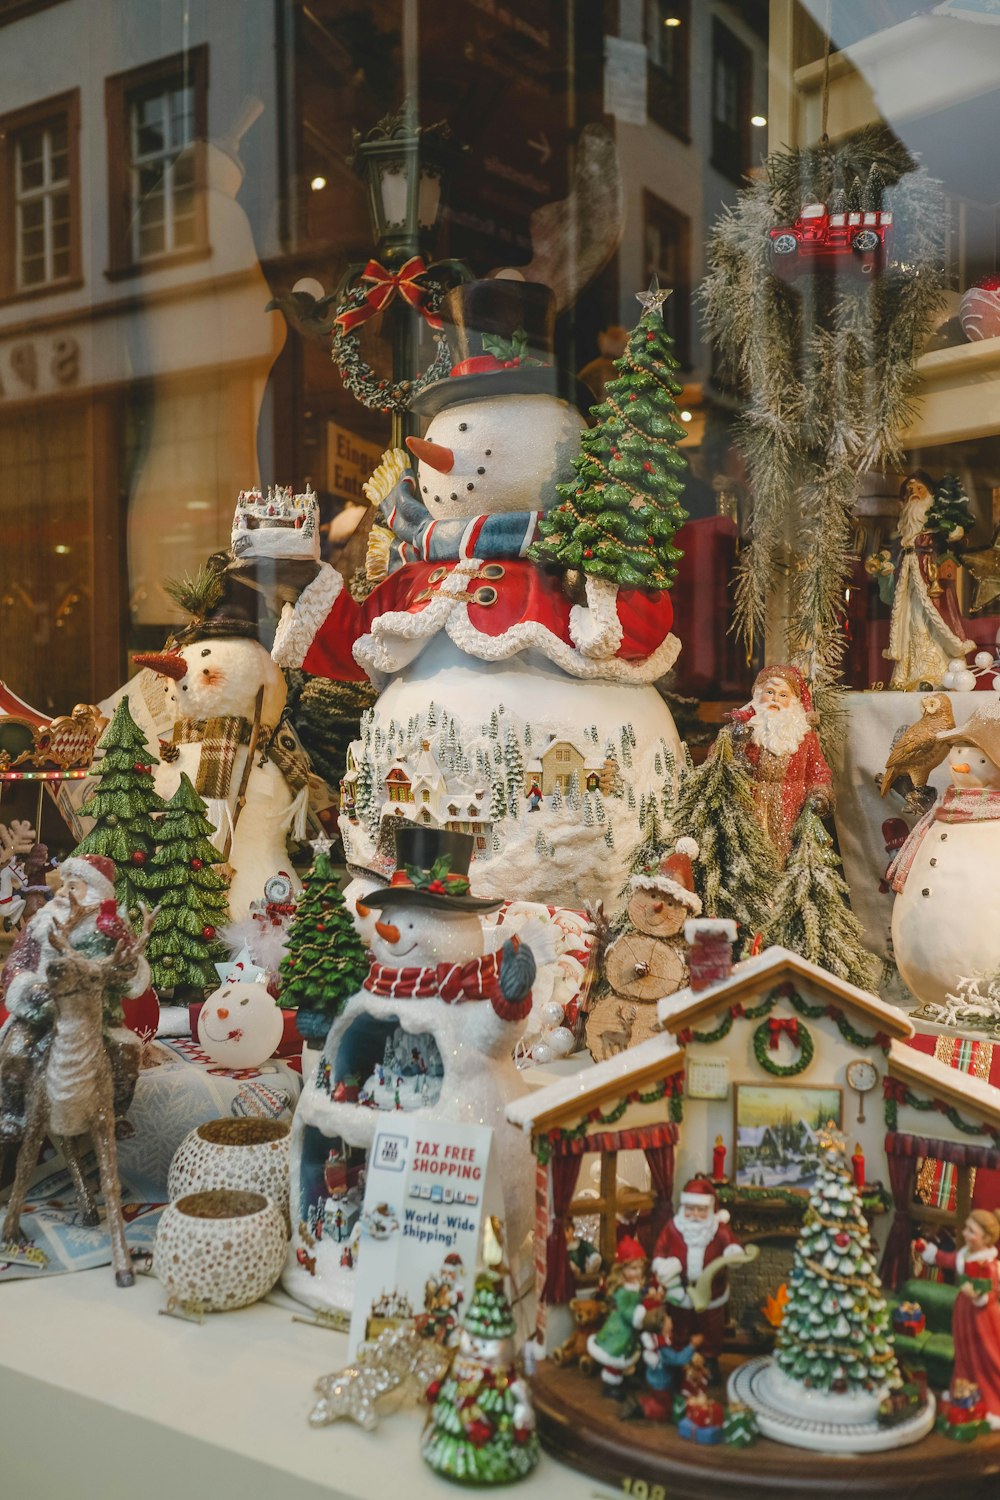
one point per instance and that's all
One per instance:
(428, 862)
(500, 334)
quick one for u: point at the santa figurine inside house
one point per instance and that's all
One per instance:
(697, 1243)
(780, 750)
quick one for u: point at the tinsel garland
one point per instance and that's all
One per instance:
(827, 368)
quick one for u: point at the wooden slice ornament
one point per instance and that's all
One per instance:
(644, 968)
(659, 915)
(616, 1024)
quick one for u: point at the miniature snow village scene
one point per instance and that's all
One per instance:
(546, 930)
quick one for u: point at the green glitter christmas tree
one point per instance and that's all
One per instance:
(324, 963)
(618, 518)
(835, 1333)
(123, 805)
(481, 1429)
(191, 896)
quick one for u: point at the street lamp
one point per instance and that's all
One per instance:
(405, 167)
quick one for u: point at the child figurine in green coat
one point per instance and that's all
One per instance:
(616, 1346)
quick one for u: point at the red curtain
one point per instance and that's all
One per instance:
(661, 1171)
(559, 1285)
(896, 1261)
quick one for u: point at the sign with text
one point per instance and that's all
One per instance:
(350, 461)
(429, 1186)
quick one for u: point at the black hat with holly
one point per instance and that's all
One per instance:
(432, 869)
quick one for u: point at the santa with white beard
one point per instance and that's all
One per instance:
(698, 1234)
(781, 752)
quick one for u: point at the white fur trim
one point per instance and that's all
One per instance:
(81, 867)
(299, 622)
(594, 628)
(397, 637)
(698, 1200)
(723, 1217)
(672, 888)
(687, 846)
(929, 1254)
(666, 1268)
(532, 635)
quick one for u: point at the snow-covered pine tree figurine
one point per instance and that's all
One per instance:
(481, 1429)
(736, 867)
(325, 961)
(185, 884)
(618, 517)
(812, 914)
(835, 1335)
(123, 804)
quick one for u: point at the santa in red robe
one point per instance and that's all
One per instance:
(976, 1316)
(781, 753)
(697, 1235)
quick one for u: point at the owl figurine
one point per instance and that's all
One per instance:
(918, 750)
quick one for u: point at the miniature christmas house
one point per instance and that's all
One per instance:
(745, 1072)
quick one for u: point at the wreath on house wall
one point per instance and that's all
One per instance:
(766, 1039)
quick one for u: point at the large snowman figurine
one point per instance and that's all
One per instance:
(225, 696)
(463, 1009)
(508, 710)
(946, 917)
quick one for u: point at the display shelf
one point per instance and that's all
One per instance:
(959, 394)
(102, 1397)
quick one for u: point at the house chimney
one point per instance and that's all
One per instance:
(710, 950)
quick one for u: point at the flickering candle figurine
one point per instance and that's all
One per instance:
(718, 1159)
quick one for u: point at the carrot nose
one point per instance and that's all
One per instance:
(223, 1015)
(362, 910)
(657, 906)
(961, 768)
(434, 454)
(167, 663)
(387, 932)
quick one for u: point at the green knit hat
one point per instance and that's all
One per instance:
(489, 1315)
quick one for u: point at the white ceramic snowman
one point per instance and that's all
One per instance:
(946, 917)
(219, 677)
(239, 1025)
(464, 621)
(431, 975)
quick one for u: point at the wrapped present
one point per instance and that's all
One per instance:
(965, 1396)
(909, 1318)
(689, 1429)
(703, 1421)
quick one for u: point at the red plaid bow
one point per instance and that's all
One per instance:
(385, 285)
(778, 1024)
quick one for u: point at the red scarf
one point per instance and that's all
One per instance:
(965, 804)
(479, 979)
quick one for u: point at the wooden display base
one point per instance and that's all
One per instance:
(649, 1461)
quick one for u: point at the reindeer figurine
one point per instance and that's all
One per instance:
(72, 1093)
(616, 1040)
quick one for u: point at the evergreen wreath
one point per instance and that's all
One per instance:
(827, 368)
(358, 375)
(761, 1050)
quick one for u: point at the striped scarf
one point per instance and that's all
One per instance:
(220, 739)
(479, 979)
(958, 805)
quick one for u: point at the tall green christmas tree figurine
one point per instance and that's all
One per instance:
(835, 1333)
(618, 518)
(190, 893)
(481, 1429)
(811, 914)
(123, 805)
(325, 962)
(736, 866)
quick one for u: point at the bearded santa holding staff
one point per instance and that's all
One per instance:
(698, 1234)
(782, 754)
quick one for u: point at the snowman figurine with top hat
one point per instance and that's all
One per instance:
(944, 919)
(531, 691)
(431, 978)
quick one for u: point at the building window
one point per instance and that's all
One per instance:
(732, 78)
(666, 239)
(667, 29)
(39, 190)
(157, 124)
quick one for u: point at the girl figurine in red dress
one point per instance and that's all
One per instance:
(976, 1317)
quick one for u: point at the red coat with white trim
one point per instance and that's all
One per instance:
(672, 1246)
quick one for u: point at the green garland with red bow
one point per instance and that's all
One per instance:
(809, 1012)
(895, 1092)
(423, 288)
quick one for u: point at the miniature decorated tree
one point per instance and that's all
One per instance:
(325, 962)
(811, 914)
(190, 893)
(736, 867)
(835, 1334)
(481, 1428)
(618, 518)
(123, 805)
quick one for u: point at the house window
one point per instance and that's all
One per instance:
(667, 31)
(732, 74)
(666, 239)
(426, 796)
(157, 122)
(39, 191)
(562, 755)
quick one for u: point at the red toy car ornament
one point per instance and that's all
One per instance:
(852, 240)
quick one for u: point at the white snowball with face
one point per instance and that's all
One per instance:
(508, 453)
(411, 936)
(223, 677)
(239, 1026)
(971, 767)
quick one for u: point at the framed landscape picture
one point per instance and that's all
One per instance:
(776, 1130)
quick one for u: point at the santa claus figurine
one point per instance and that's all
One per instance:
(976, 1314)
(694, 1238)
(87, 880)
(781, 753)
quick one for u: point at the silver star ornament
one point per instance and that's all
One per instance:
(653, 300)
